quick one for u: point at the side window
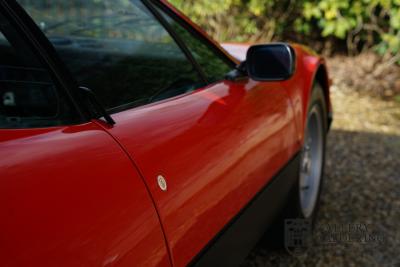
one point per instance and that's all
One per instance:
(28, 96)
(117, 49)
(212, 64)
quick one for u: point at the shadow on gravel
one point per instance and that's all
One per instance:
(361, 189)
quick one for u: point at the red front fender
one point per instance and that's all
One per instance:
(310, 68)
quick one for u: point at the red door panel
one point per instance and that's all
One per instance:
(216, 148)
(71, 197)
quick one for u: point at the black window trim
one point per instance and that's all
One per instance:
(177, 40)
(192, 31)
(45, 51)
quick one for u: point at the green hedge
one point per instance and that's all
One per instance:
(353, 25)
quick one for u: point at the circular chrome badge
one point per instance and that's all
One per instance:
(162, 183)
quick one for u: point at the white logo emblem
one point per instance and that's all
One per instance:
(162, 183)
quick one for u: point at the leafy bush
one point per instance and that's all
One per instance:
(333, 25)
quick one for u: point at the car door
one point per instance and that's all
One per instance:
(215, 147)
(69, 195)
(204, 145)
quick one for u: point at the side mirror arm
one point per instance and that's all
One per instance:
(238, 73)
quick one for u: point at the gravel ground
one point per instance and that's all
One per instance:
(361, 187)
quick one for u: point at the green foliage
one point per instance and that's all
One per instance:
(354, 24)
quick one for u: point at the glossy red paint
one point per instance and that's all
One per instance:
(71, 197)
(300, 85)
(216, 147)
(88, 194)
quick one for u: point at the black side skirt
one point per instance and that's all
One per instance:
(231, 246)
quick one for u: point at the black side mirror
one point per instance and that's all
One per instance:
(271, 62)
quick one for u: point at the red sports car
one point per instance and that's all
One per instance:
(130, 138)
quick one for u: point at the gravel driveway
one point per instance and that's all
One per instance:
(361, 187)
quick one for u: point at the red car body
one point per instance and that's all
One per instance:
(88, 195)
